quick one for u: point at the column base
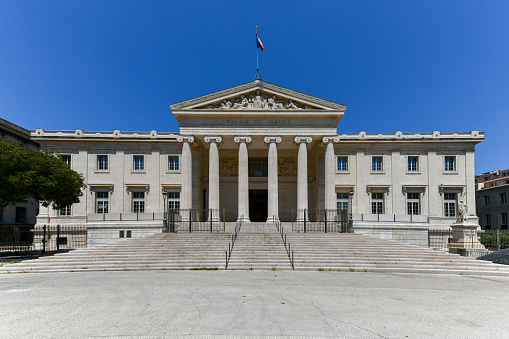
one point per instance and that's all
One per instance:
(243, 219)
(273, 219)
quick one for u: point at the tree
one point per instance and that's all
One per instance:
(37, 174)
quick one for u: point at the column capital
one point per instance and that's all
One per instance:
(330, 138)
(242, 138)
(298, 140)
(269, 139)
(186, 138)
(216, 139)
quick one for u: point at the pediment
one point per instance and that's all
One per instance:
(258, 96)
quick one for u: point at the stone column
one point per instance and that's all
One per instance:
(272, 180)
(186, 190)
(330, 172)
(302, 175)
(214, 175)
(243, 189)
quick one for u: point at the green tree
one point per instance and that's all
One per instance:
(37, 174)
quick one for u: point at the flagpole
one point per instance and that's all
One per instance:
(257, 68)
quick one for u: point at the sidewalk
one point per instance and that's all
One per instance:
(219, 304)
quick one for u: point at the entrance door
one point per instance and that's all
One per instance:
(258, 205)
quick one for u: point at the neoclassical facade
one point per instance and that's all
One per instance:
(261, 152)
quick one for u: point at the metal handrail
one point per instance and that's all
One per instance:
(231, 242)
(286, 242)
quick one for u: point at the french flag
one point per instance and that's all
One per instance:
(259, 43)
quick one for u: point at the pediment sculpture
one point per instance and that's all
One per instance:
(257, 101)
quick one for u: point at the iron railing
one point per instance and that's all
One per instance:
(194, 220)
(231, 242)
(16, 237)
(59, 237)
(325, 220)
(286, 242)
(495, 240)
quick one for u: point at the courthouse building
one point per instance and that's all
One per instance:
(262, 152)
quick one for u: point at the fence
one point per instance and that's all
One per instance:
(495, 240)
(194, 220)
(326, 220)
(59, 237)
(16, 237)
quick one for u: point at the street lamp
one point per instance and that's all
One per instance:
(165, 215)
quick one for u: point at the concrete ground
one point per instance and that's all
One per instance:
(254, 304)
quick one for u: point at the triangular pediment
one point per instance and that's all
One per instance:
(257, 96)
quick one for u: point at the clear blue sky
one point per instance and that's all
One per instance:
(414, 66)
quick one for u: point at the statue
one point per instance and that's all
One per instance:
(462, 212)
(226, 104)
(291, 105)
(241, 103)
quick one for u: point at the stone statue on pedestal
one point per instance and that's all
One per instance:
(462, 212)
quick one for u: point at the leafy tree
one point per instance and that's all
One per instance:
(37, 174)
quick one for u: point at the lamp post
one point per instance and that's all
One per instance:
(165, 214)
(350, 215)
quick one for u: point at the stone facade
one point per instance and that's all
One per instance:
(261, 144)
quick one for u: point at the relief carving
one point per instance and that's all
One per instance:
(287, 167)
(228, 167)
(257, 101)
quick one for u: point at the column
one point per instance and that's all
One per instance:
(272, 180)
(186, 190)
(243, 188)
(330, 172)
(214, 175)
(302, 175)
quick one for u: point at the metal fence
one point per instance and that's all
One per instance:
(326, 220)
(495, 240)
(194, 220)
(59, 237)
(16, 237)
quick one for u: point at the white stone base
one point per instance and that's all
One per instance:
(108, 232)
(408, 233)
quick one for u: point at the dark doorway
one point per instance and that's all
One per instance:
(258, 205)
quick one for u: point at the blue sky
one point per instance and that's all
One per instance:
(414, 66)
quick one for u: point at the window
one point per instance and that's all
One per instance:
(376, 164)
(174, 202)
(487, 221)
(450, 204)
(138, 162)
(101, 199)
(450, 164)
(138, 202)
(412, 203)
(21, 214)
(413, 164)
(486, 200)
(377, 203)
(502, 198)
(257, 167)
(173, 163)
(342, 201)
(65, 211)
(342, 164)
(503, 220)
(66, 158)
(102, 162)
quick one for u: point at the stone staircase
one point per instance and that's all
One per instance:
(259, 247)
(357, 253)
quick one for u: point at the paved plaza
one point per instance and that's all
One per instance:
(254, 304)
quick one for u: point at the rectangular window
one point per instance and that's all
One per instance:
(138, 162)
(502, 198)
(174, 202)
(342, 201)
(66, 158)
(65, 211)
(21, 215)
(173, 163)
(377, 203)
(102, 162)
(503, 220)
(138, 202)
(376, 164)
(413, 200)
(487, 221)
(101, 199)
(450, 164)
(486, 200)
(342, 164)
(450, 204)
(413, 164)
(257, 167)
